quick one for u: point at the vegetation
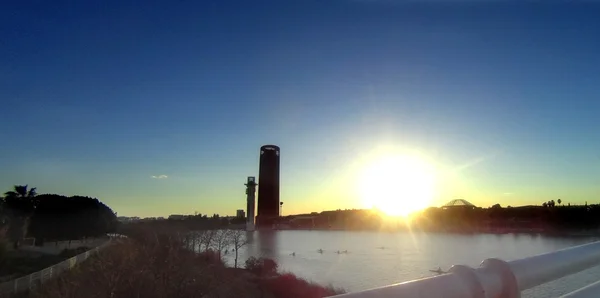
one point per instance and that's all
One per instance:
(261, 266)
(50, 217)
(191, 222)
(18, 206)
(552, 217)
(4, 251)
(548, 218)
(238, 240)
(59, 217)
(17, 263)
(159, 264)
(46, 217)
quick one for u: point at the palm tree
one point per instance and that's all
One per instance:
(20, 203)
(20, 192)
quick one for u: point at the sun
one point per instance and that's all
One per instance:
(398, 184)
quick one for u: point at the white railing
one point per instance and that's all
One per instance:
(498, 279)
(33, 280)
(55, 248)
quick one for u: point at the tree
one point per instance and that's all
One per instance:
(3, 246)
(205, 239)
(559, 201)
(20, 198)
(238, 239)
(58, 217)
(261, 266)
(221, 241)
(19, 204)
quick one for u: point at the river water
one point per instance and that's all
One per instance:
(383, 258)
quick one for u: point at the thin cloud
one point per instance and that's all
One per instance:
(160, 177)
(478, 160)
(508, 193)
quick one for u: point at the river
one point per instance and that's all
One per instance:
(382, 258)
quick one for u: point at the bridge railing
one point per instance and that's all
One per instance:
(496, 278)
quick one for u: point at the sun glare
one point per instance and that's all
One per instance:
(398, 185)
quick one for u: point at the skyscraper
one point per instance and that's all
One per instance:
(268, 186)
(250, 191)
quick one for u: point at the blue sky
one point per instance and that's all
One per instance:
(99, 97)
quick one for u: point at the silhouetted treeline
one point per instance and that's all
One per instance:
(187, 223)
(50, 217)
(59, 217)
(548, 218)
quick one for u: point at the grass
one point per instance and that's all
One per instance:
(19, 263)
(156, 265)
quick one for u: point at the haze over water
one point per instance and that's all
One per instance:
(379, 259)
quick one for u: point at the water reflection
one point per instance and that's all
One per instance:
(405, 257)
(262, 244)
(266, 245)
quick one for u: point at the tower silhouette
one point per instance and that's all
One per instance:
(268, 186)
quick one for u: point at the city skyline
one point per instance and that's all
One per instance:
(159, 109)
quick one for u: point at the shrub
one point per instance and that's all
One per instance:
(290, 286)
(211, 257)
(157, 265)
(261, 266)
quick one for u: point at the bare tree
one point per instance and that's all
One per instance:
(206, 239)
(221, 241)
(239, 239)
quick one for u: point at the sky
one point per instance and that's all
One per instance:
(160, 107)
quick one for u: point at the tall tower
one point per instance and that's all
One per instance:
(250, 191)
(268, 191)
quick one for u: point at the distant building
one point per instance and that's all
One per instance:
(177, 217)
(250, 201)
(240, 214)
(459, 203)
(125, 219)
(268, 186)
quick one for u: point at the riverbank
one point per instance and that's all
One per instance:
(160, 266)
